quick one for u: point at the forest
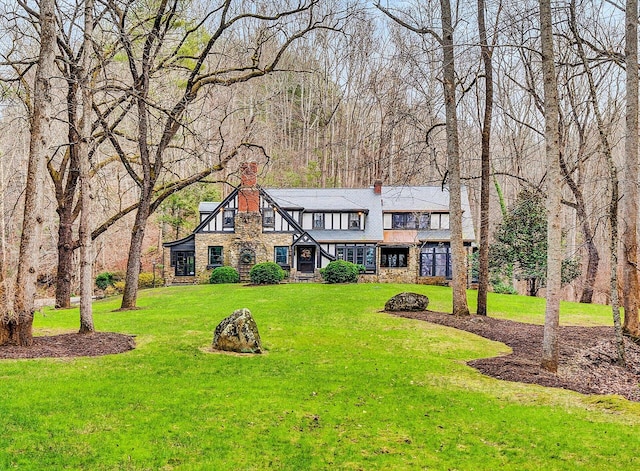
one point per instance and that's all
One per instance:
(118, 117)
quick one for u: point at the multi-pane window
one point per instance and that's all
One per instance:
(184, 263)
(282, 255)
(228, 217)
(318, 220)
(268, 218)
(394, 257)
(215, 256)
(360, 254)
(435, 260)
(410, 221)
(354, 221)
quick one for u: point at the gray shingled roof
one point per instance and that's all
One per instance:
(393, 198)
(208, 206)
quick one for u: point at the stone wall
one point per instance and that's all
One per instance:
(248, 236)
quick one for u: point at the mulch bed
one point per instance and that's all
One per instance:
(71, 345)
(586, 362)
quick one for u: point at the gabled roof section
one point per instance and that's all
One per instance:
(305, 239)
(215, 211)
(282, 211)
(187, 242)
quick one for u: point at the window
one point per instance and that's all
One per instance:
(435, 260)
(184, 262)
(318, 220)
(354, 221)
(440, 221)
(228, 217)
(394, 257)
(360, 254)
(410, 220)
(215, 256)
(282, 256)
(268, 218)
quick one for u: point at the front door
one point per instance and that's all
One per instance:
(306, 259)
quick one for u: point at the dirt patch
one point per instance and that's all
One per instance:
(71, 345)
(587, 354)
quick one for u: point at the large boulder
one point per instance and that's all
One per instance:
(407, 302)
(238, 333)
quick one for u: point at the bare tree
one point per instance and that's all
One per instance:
(485, 179)
(84, 232)
(154, 44)
(446, 42)
(630, 285)
(16, 325)
(550, 344)
(613, 172)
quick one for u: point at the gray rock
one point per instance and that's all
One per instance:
(238, 333)
(407, 302)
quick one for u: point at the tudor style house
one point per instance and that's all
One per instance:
(399, 233)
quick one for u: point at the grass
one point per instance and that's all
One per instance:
(342, 386)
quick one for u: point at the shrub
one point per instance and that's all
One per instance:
(267, 273)
(341, 271)
(224, 275)
(503, 288)
(119, 286)
(146, 280)
(104, 280)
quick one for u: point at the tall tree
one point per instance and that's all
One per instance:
(630, 285)
(485, 183)
(613, 176)
(86, 253)
(550, 343)
(446, 41)
(16, 325)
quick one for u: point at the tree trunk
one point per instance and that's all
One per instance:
(592, 268)
(65, 260)
(16, 326)
(550, 343)
(459, 281)
(483, 276)
(86, 253)
(629, 267)
(130, 295)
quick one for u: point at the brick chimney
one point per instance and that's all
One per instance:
(248, 196)
(377, 187)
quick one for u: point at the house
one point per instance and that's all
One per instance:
(399, 233)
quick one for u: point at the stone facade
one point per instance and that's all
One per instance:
(248, 238)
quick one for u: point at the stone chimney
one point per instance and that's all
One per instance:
(377, 187)
(248, 196)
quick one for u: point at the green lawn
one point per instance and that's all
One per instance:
(342, 386)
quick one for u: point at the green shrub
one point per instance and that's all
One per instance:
(341, 271)
(146, 280)
(266, 273)
(224, 275)
(503, 288)
(104, 280)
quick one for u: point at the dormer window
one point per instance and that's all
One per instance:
(410, 220)
(354, 221)
(318, 220)
(268, 218)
